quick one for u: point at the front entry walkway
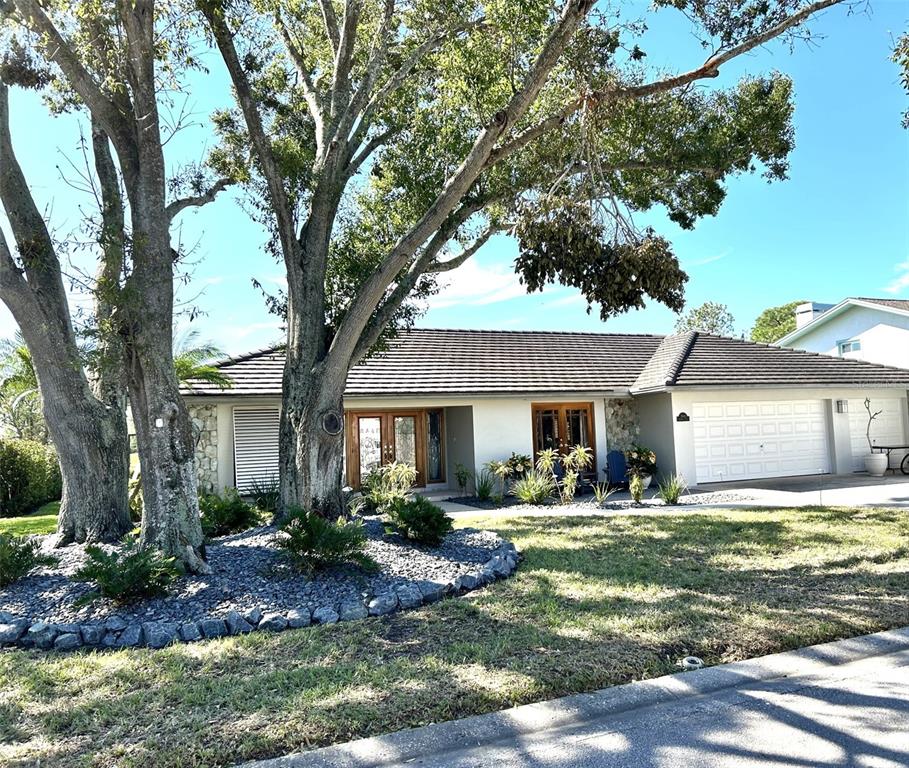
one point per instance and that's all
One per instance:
(841, 703)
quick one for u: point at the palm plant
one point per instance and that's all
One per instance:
(193, 360)
(20, 398)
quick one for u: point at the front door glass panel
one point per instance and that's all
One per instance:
(547, 431)
(434, 446)
(576, 428)
(405, 435)
(370, 438)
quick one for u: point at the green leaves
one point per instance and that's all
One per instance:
(561, 241)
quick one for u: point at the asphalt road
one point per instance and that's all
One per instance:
(856, 714)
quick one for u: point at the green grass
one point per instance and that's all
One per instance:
(42, 520)
(597, 602)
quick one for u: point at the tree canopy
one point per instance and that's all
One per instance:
(709, 317)
(774, 323)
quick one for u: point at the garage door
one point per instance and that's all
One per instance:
(255, 445)
(887, 429)
(766, 438)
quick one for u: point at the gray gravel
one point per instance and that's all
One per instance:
(252, 586)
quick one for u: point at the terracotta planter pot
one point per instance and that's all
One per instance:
(876, 464)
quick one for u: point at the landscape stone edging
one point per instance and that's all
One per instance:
(117, 633)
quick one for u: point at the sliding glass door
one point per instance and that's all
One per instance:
(562, 426)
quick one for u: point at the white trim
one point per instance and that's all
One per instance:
(835, 311)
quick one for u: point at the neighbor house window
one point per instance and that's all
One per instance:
(847, 347)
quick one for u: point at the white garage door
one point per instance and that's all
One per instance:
(255, 445)
(887, 429)
(765, 438)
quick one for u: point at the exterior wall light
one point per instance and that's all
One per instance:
(842, 406)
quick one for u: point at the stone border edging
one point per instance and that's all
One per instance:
(480, 730)
(115, 632)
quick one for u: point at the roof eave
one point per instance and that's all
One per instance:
(835, 311)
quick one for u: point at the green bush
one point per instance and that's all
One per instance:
(485, 484)
(223, 515)
(672, 488)
(313, 542)
(131, 574)
(463, 476)
(636, 488)
(29, 476)
(265, 494)
(389, 485)
(18, 555)
(420, 520)
(534, 487)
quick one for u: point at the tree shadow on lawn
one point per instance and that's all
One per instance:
(584, 611)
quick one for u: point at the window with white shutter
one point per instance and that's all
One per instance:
(255, 445)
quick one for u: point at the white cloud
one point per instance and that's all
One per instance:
(475, 285)
(707, 259)
(901, 281)
(571, 299)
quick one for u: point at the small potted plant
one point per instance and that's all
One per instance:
(875, 462)
(641, 462)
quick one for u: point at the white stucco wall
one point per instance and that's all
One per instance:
(838, 428)
(884, 336)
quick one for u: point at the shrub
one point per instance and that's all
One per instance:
(640, 461)
(388, 485)
(222, 515)
(18, 555)
(518, 464)
(485, 484)
(572, 464)
(131, 574)
(534, 487)
(463, 476)
(265, 494)
(421, 520)
(500, 470)
(29, 476)
(602, 491)
(636, 488)
(672, 488)
(313, 542)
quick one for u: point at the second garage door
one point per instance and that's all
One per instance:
(743, 440)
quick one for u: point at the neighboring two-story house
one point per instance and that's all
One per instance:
(874, 330)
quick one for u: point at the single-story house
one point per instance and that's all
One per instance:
(713, 408)
(876, 330)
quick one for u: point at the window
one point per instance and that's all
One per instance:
(847, 347)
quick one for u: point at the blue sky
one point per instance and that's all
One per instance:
(838, 227)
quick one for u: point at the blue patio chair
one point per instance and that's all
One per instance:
(616, 468)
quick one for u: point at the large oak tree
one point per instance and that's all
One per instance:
(397, 136)
(117, 60)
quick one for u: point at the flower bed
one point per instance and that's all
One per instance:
(251, 587)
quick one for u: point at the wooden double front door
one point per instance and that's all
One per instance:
(375, 438)
(562, 426)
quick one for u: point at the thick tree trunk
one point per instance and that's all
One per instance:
(311, 456)
(170, 519)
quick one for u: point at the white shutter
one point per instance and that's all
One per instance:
(255, 445)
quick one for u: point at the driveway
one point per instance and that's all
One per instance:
(858, 490)
(844, 703)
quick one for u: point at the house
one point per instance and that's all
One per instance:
(876, 330)
(713, 408)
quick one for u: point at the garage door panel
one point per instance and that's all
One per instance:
(742, 440)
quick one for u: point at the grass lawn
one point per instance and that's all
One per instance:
(42, 520)
(597, 601)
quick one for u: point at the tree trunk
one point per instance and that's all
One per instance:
(311, 457)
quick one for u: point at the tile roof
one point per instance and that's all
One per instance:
(902, 304)
(722, 361)
(467, 362)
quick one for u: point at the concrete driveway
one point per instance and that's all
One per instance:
(837, 704)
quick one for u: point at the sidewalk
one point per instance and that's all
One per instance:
(840, 703)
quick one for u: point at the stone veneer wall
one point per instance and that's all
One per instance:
(205, 431)
(622, 428)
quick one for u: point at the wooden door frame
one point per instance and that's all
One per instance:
(386, 417)
(561, 408)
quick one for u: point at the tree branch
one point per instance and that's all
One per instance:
(330, 20)
(457, 185)
(709, 69)
(59, 51)
(446, 266)
(340, 82)
(371, 146)
(311, 96)
(197, 200)
(280, 202)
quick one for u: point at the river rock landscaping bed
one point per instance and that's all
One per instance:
(618, 501)
(252, 587)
